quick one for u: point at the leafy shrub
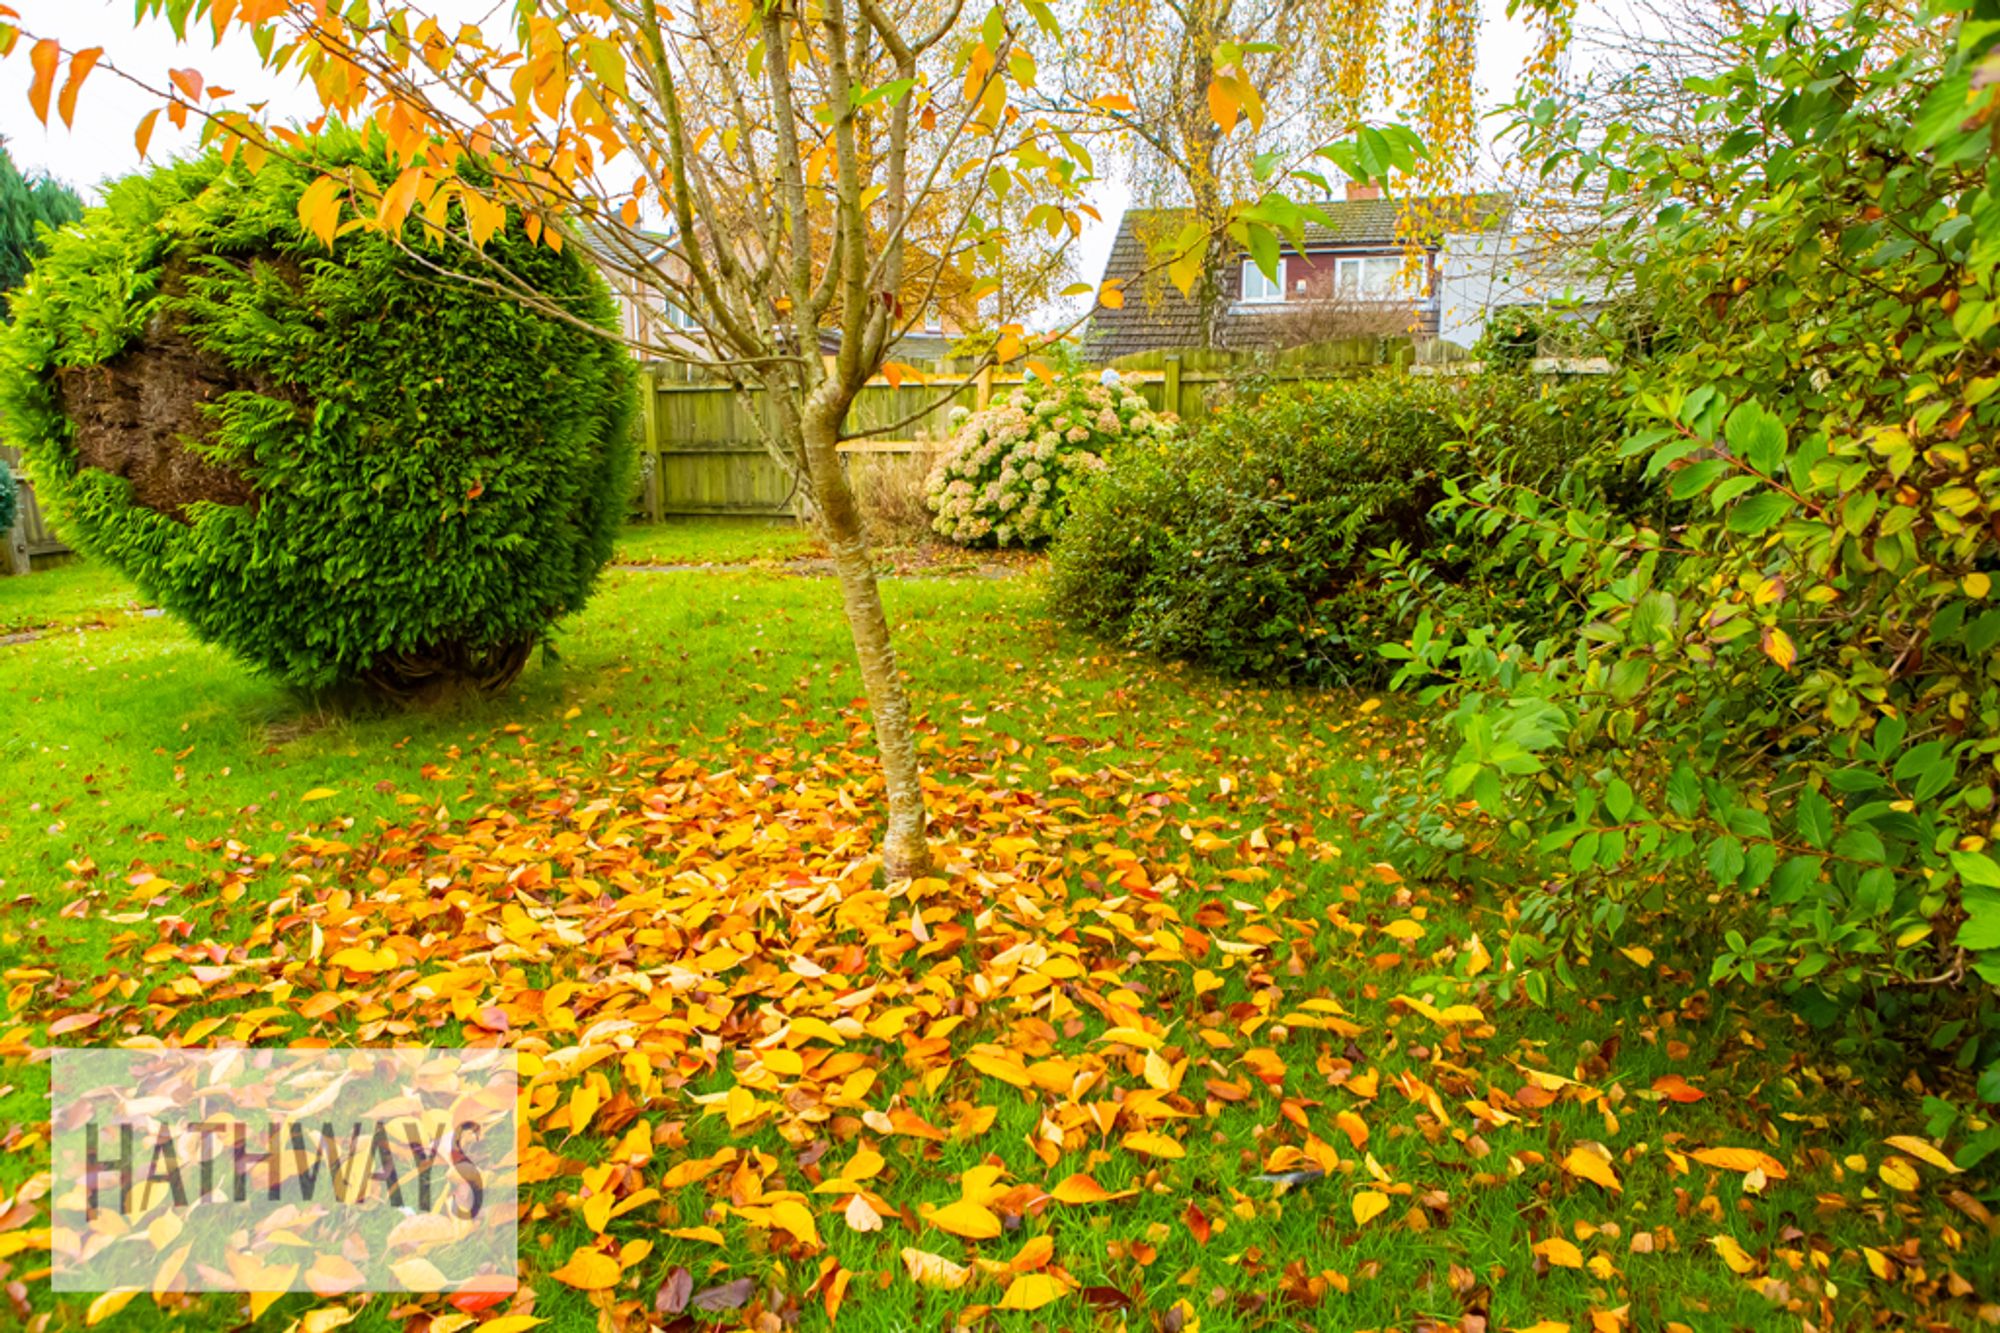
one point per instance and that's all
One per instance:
(1780, 725)
(1247, 547)
(1006, 473)
(334, 465)
(1512, 338)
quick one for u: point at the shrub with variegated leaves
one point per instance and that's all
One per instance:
(1003, 478)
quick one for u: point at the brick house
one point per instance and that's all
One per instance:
(1362, 272)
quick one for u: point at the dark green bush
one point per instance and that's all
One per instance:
(1246, 548)
(10, 501)
(336, 466)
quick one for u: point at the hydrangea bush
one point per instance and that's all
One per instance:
(1005, 474)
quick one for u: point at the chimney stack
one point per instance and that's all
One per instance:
(1356, 192)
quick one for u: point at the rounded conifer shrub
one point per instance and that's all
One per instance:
(336, 464)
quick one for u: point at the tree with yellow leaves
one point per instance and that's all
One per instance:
(1222, 100)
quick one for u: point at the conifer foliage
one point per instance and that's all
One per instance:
(325, 461)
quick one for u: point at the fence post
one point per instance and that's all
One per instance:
(1170, 394)
(982, 388)
(649, 413)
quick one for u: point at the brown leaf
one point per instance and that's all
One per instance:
(729, 1296)
(674, 1292)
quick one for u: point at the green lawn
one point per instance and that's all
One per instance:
(715, 541)
(1190, 851)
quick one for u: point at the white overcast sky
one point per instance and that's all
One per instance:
(100, 146)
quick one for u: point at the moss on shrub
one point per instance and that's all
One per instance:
(337, 466)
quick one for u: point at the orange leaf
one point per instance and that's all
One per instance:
(1080, 1188)
(188, 81)
(1678, 1089)
(43, 58)
(144, 137)
(80, 66)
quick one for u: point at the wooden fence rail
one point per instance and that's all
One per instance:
(705, 456)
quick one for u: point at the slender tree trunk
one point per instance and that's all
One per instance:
(905, 850)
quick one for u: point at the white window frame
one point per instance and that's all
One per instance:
(1359, 266)
(675, 317)
(1267, 294)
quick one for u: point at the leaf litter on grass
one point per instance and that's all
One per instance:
(1153, 1048)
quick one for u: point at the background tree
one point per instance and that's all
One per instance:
(27, 204)
(892, 128)
(1215, 99)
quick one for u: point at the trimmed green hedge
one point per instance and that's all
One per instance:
(338, 467)
(1247, 547)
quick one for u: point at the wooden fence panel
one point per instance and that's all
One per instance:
(31, 535)
(708, 457)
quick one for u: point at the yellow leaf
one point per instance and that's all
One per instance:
(318, 793)
(1741, 1159)
(1641, 955)
(326, 1319)
(1353, 1126)
(508, 1323)
(1031, 1291)
(796, 1218)
(934, 1270)
(1587, 1165)
(1369, 1204)
(706, 1234)
(1153, 1145)
(1923, 1152)
(589, 1270)
(1778, 646)
(1407, 931)
(1006, 1068)
(418, 1274)
(1560, 1253)
(1976, 585)
(1898, 1173)
(110, 1303)
(1111, 296)
(582, 1106)
(1879, 1263)
(970, 1220)
(1732, 1254)
(1541, 1326)
(364, 960)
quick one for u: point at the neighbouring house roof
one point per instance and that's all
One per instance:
(1155, 315)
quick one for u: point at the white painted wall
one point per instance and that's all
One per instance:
(1481, 272)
